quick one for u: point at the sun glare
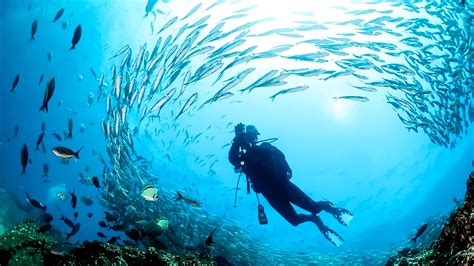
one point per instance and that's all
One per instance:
(339, 109)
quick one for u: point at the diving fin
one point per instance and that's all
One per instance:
(343, 216)
(333, 237)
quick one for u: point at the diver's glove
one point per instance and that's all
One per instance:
(239, 130)
(240, 137)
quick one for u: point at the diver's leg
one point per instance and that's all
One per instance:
(300, 199)
(284, 208)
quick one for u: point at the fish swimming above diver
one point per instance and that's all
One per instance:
(210, 240)
(149, 6)
(419, 232)
(57, 136)
(73, 199)
(353, 98)
(188, 104)
(45, 170)
(58, 15)
(24, 158)
(15, 82)
(39, 140)
(65, 153)
(48, 94)
(69, 128)
(35, 203)
(189, 201)
(87, 201)
(67, 221)
(34, 28)
(61, 195)
(76, 37)
(150, 193)
(95, 182)
(290, 90)
(74, 230)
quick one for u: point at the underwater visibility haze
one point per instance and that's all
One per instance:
(120, 124)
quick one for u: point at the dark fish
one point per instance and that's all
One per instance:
(45, 228)
(113, 240)
(15, 82)
(89, 215)
(149, 6)
(93, 73)
(103, 224)
(87, 201)
(45, 170)
(73, 199)
(57, 136)
(133, 234)
(24, 158)
(102, 235)
(34, 27)
(74, 230)
(110, 217)
(69, 127)
(17, 128)
(420, 232)
(58, 14)
(67, 221)
(76, 214)
(41, 79)
(65, 153)
(76, 37)
(47, 218)
(456, 201)
(209, 239)
(95, 182)
(43, 126)
(187, 200)
(39, 140)
(48, 94)
(34, 202)
(119, 227)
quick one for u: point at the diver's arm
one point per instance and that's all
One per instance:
(234, 157)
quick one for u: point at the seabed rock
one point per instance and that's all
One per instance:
(24, 245)
(455, 245)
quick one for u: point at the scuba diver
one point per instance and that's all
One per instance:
(269, 174)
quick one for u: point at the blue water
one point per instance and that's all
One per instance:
(359, 155)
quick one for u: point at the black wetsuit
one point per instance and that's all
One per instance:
(270, 174)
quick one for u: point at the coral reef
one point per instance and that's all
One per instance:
(23, 244)
(455, 245)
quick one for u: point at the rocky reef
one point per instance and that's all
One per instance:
(455, 245)
(24, 244)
